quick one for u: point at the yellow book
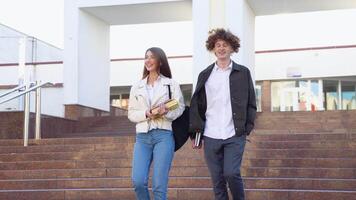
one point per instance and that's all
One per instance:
(171, 104)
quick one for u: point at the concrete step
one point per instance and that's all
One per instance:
(180, 182)
(124, 139)
(173, 194)
(181, 171)
(276, 166)
(68, 141)
(110, 160)
(115, 145)
(125, 151)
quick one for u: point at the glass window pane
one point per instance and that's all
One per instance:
(331, 94)
(348, 95)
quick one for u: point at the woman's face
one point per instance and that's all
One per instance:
(151, 62)
(222, 49)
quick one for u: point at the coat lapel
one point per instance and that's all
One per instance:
(204, 77)
(142, 91)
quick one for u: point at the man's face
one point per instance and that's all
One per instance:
(222, 49)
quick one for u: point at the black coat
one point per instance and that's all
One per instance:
(243, 101)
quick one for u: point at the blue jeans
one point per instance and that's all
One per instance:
(158, 146)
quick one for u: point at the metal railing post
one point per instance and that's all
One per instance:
(26, 93)
(26, 118)
(38, 112)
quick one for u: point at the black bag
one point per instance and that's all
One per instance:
(180, 126)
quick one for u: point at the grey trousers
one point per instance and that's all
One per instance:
(223, 158)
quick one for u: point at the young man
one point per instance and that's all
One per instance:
(223, 109)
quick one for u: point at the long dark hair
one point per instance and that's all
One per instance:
(163, 68)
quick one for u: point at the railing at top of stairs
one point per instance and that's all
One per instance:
(24, 90)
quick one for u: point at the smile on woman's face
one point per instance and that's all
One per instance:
(151, 62)
(222, 49)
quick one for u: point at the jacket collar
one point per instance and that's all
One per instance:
(161, 88)
(206, 73)
(208, 70)
(236, 66)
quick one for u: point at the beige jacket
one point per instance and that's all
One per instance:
(139, 104)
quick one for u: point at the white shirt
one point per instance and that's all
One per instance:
(151, 92)
(219, 123)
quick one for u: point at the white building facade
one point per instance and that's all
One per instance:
(309, 79)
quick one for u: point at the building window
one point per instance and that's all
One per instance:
(348, 95)
(313, 95)
(331, 93)
(120, 101)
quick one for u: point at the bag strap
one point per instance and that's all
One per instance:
(169, 91)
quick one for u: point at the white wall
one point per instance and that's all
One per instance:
(49, 73)
(311, 29)
(52, 102)
(126, 73)
(269, 66)
(312, 63)
(8, 75)
(52, 98)
(45, 73)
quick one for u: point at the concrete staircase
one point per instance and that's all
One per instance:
(313, 166)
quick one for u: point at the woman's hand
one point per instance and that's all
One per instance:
(149, 115)
(162, 110)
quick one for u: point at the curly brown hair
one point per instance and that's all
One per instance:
(222, 34)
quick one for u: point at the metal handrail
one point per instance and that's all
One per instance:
(26, 91)
(18, 88)
(29, 88)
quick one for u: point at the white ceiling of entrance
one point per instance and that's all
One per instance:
(270, 7)
(181, 10)
(157, 12)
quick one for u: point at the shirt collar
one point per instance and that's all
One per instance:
(162, 80)
(158, 81)
(216, 67)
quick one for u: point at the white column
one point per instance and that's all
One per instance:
(339, 105)
(71, 68)
(308, 92)
(201, 26)
(320, 95)
(86, 59)
(240, 19)
(235, 15)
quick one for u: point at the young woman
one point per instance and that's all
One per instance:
(154, 138)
